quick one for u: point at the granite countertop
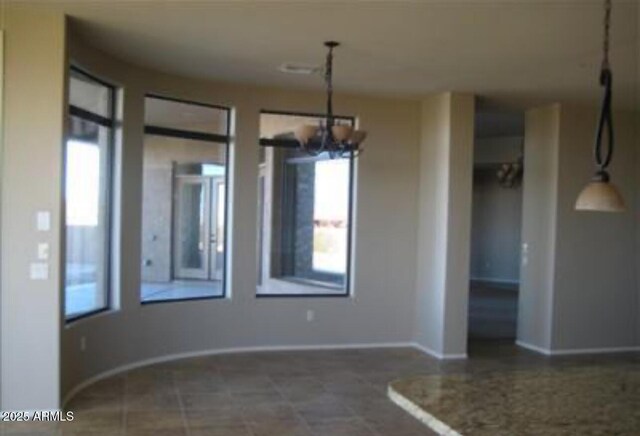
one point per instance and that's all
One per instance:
(570, 401)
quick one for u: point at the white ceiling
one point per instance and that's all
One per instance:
(518, 52)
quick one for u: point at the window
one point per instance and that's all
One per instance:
(304, 215)
(87, 195)
(184, 201)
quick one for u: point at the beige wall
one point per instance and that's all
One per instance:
(34, 102)
(637, 179)
(578, 285)
(381, 307)
(595, 298)
(446, 166)
(540, 185)
(432, 199)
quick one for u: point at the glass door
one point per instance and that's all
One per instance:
(192, 228)
(217, 228)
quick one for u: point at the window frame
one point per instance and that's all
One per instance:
(204, 137)
(110, 123)
(350, 211)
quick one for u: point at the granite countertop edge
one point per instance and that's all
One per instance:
(420, 414)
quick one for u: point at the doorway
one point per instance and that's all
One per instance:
(496, 225)
(199, 224)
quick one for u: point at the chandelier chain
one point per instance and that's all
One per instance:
(328, 76)
(335, 139)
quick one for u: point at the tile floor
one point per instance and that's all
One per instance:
(306, 393)
(493, 310)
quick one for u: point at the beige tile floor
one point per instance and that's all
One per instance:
(327, 393)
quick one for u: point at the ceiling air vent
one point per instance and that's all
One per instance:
(298, 68)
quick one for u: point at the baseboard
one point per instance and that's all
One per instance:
(576, 351)
(438, 355)
(611, 350)
(212, 352)
(256, 349)
(533, 348)
(494, 280)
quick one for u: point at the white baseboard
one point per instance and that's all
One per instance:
(576, 351)
(212, 352)
(612, 350)
(534, 348)
(494, 280)
(438, 355)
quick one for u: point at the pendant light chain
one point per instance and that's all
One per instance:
(606, 118)
(607, 31)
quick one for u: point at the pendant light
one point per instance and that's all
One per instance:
(600, 194)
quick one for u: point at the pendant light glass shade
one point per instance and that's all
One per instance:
(600, 196)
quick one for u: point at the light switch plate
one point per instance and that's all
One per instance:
(43, 220)
(43, 251)
(38, 271)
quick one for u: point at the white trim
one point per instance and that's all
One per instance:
(533, 348)
(2, 132)
(495, 280)
(437, 354)
(259, 349)
(420, 414)
(570, 351)
(212, 352)
(575, 351)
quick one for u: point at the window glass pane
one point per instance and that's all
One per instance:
(89, 95)
(304, 216)
(183, 217)
(330, 216)
(185, 116)
(86, 230)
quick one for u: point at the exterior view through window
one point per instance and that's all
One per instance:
(184, 200)
(87, 195)
(304, 221)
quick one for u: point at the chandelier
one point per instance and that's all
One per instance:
(510, 174)
(600, 194)
(335, 139)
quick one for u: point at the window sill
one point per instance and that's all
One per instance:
(89, 316)
(293, 287)
(181, 300)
